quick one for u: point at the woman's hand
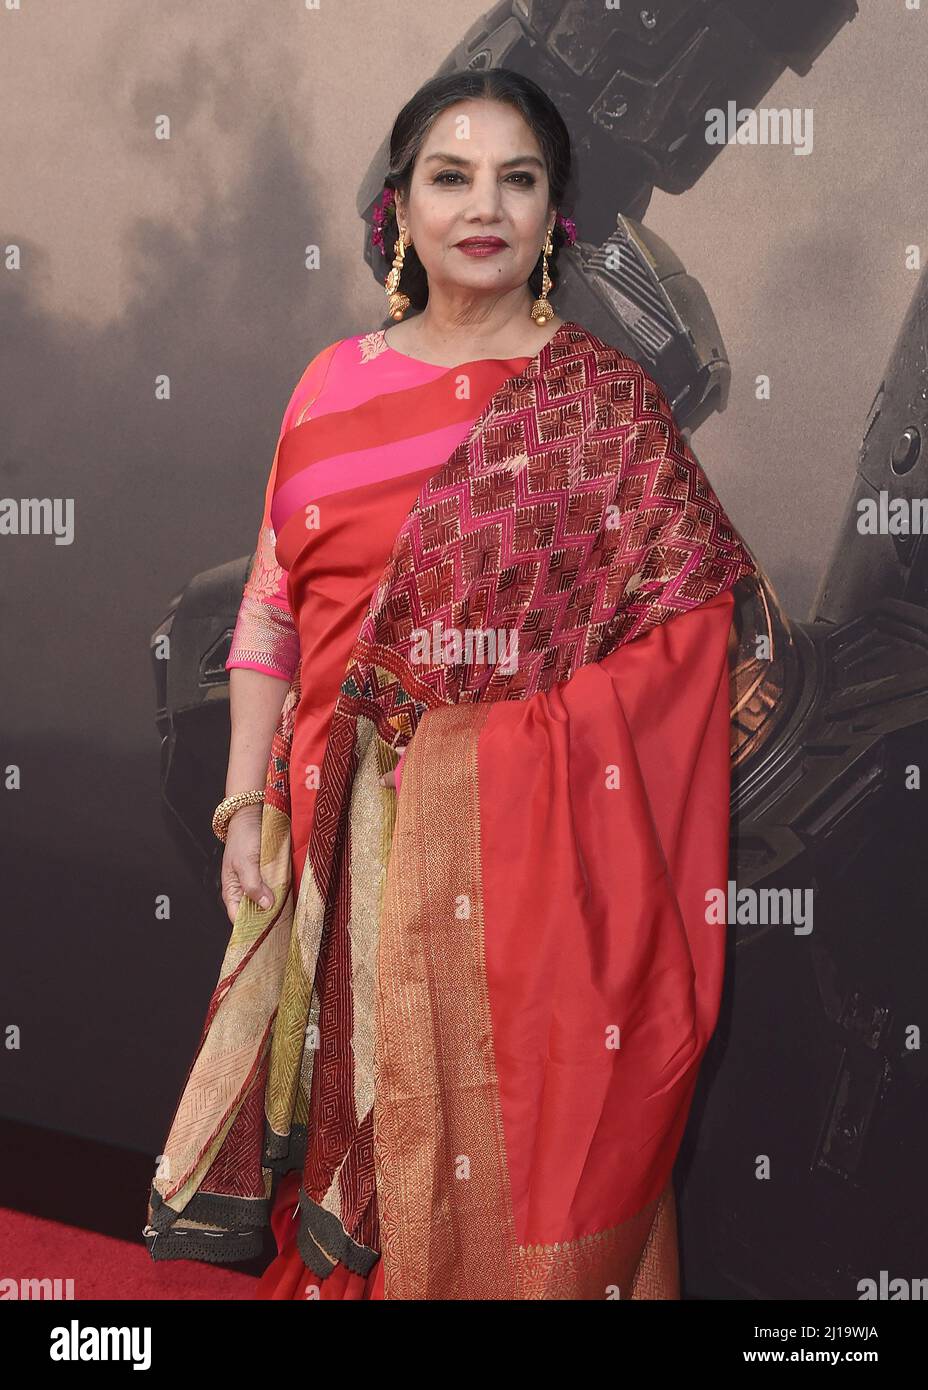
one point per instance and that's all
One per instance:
(241, 862)
(389, 778)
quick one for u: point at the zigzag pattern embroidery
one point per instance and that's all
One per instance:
(574, 515)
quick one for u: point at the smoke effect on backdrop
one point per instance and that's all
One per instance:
(186, 221)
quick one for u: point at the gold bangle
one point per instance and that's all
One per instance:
(227, 808)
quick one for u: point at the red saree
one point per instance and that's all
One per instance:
(474, 1026)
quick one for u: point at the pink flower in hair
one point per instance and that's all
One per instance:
(380, 215)
(570, 228)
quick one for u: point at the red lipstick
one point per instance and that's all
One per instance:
(481, 245)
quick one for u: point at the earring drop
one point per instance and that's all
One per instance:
(542, 310)
(398, 302)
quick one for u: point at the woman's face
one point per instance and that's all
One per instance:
(480, 174)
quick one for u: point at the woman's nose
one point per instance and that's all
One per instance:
(484, 202)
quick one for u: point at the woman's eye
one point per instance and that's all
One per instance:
(526, 180)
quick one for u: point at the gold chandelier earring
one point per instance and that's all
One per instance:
(542, 309)
(398, 302)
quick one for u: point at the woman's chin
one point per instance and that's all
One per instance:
(483, 275)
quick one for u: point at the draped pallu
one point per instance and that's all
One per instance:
(474, 1025)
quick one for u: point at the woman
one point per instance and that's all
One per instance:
(462, 1015)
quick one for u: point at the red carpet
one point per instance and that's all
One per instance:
(102, 1267)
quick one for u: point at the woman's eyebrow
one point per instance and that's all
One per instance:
(504, 164)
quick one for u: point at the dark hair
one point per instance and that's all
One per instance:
(408, 136)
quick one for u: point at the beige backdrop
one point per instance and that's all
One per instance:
(143, 256)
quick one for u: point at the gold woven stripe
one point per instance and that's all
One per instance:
(636, 1260)
(293, 1005)
(658, 1272)
(372, 812)
(442, 1179)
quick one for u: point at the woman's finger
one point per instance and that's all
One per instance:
(232, 896)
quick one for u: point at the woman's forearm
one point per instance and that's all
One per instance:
(255, 702)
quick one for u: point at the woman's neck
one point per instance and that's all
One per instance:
(447, 338)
